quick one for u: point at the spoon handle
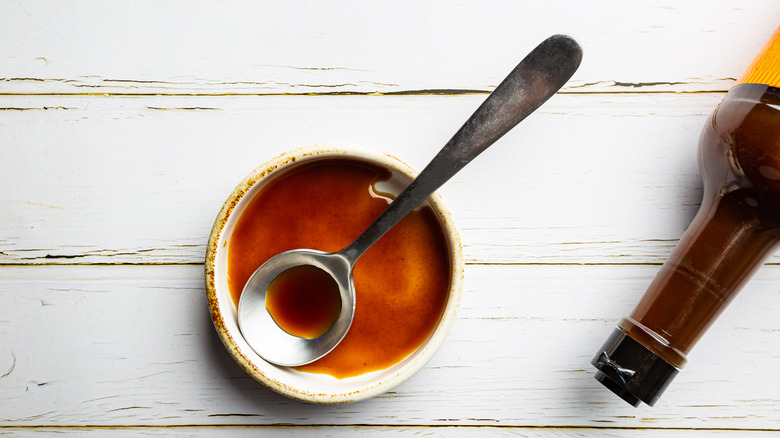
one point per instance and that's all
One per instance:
(538, 76)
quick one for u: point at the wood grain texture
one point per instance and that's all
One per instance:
(587, 179)
(174, 47)
(389, 431)
(124, 126)
(132, 346)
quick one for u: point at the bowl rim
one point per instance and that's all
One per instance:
(248, 359)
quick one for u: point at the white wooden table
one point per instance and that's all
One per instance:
(124, 125)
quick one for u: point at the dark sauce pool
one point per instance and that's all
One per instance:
(401, 283)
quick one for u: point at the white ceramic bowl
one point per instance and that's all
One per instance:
(311, 387)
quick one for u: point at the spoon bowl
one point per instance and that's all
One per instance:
(279, 346)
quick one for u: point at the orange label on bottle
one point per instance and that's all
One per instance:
(765, 69)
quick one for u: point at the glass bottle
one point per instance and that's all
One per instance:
(735, 229)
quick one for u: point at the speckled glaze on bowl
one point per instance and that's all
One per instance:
(311, 387)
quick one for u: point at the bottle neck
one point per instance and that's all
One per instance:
(714, 259)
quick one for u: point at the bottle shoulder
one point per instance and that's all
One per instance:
(739, 149)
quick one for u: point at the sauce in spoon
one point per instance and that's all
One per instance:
(304, 301)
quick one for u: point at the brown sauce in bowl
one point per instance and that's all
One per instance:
(401, 283)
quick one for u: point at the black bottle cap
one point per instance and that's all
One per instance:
(631, 371)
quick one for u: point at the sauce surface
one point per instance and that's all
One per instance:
(401, 283)
(304, 301)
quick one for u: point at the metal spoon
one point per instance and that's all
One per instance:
(545, 70)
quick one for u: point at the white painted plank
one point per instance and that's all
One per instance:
(151, 47)
(134, 346)
(586, 179)
(384, 431)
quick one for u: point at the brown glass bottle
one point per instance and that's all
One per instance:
(736, 227)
